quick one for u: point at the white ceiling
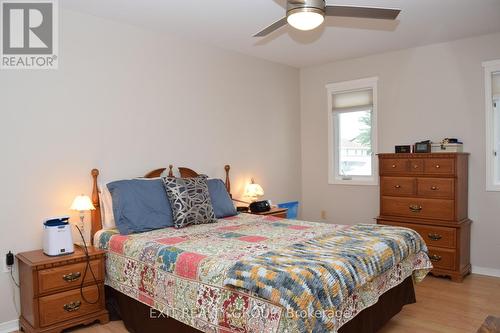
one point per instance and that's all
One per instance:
(231, 23)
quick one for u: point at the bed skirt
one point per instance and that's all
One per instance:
(137, 316)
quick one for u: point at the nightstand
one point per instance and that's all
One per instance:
(50, 290)
(276, 212)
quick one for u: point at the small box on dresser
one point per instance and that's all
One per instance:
(429, 193)
(50, 290)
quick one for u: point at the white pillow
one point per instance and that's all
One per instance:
(106, 201)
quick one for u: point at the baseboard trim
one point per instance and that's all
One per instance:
(486, 271)
(9, 326)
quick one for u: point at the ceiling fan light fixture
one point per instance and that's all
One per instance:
(305, 18)
(310, 14)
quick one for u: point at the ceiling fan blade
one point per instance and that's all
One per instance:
(275, 26)
(363, 12)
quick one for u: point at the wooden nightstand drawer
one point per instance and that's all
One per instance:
(61, 277)
(442, 258)
(69, 304)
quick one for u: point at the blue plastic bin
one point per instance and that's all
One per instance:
(292, 207)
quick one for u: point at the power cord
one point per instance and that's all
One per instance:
(11, 269)
(87, 268)
(12, 277)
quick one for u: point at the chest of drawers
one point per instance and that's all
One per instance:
(429, 193)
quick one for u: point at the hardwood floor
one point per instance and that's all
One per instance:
(490, 325)
(442, 307)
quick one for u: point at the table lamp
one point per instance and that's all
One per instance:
(253, 191)
(82, 203)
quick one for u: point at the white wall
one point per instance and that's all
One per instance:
(428, 92)
(496, 84)
(127, 101)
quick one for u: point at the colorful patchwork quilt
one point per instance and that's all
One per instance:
(313, 278)
(251, 273)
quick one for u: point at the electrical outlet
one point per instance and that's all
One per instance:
(323, 214)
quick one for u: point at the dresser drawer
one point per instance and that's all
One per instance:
(398, 186)
(391, 166)
(67, 276)
(416, 166)
(433, 235)
(418, 207)
(440, 166)
(442, 258)
(67, 305)
(441, 188)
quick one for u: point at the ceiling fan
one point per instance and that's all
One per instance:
(310, 14)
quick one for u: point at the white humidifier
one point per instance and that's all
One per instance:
(57, 238)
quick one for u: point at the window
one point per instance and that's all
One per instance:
(492, 83)
(352, 132)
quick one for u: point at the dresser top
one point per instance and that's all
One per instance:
(37, 257)
(421, 155)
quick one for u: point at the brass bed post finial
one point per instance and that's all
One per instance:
(170, 172)
(227, 167)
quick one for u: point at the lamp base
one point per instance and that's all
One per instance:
(81, 234)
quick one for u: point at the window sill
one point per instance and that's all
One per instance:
(354, 182)
(492, 188)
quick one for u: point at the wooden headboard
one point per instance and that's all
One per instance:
(96, 220)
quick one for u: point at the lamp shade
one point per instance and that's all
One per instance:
(253, 190)
(305, 18)
(81, 203)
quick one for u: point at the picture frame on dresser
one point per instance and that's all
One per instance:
(428, 192)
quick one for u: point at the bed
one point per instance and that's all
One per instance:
(250, 273)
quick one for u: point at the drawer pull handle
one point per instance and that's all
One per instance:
(435, 258)
(415, 208)
(415, 166)
(71, 277)
(434, 188)
(394, 166)
(397, 186)
(437, 166)
(435, 237)
(73, 306)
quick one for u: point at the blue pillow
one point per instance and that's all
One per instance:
(221, 201)
(140, 205)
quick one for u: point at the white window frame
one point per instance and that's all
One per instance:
(334, 177)
(490, 67)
